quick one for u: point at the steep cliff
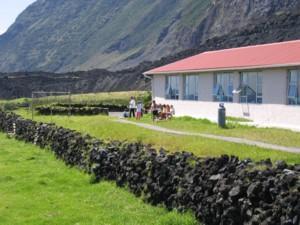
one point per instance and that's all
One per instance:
(285, 26)
(70, 35)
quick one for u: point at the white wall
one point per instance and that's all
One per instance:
(206, 80)
(158, 86)
(273, 110)
(275, 84)
(272, 114)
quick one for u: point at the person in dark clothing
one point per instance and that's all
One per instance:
(154, 110)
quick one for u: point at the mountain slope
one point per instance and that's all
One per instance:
(69, 35)
(281, 27)
(55, 35)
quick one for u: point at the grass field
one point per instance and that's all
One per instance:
(37, 189)
(106, 128)
(269, 135)
(234, 129)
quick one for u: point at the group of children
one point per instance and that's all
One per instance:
(158, 111)
(162, 111)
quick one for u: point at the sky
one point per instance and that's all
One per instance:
(9, 10)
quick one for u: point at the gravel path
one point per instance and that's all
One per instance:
(211, 136)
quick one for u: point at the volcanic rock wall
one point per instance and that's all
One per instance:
(56, 110)
(220, 190)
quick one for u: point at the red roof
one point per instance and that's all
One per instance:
(282, 54)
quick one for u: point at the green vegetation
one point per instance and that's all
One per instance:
(14, 104)
(237, 119)
(108, 97)
(18, 100)
(37, 189)
(118, 98)
(234, 129)
(107, 128)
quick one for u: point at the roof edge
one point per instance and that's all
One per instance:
(147, 73)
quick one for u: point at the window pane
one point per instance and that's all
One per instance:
(223, 87)
(292, 91)
(172, 87)
(251, 88)
(293, 76)
(191, 87)
(294, 87)
(259, 84)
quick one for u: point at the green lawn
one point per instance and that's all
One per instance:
(37, 189)
(269, 135)
(106, 128)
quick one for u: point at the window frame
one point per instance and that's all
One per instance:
(196, 87)
(177, 89)
(259, 77)
(296, 99)
(230, 82)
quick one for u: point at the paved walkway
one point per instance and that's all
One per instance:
(211, 136)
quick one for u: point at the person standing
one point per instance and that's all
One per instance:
(139, 110)
(172, 111)
(132, 107)
(154, 110)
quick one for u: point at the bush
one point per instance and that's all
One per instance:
(11, 106)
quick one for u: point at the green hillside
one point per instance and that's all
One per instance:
(72, 35)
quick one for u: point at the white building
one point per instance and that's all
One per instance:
(261, 83)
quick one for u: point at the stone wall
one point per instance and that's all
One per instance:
(58, 110)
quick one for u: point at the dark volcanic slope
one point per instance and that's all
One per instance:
(16, 85)
(70, 35)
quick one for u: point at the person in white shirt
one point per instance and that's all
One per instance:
(172, 111)
(139, 110)
(132, 107)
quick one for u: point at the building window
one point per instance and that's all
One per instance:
(251, 87)
(294, 87)
(190, 83)
(223, 87)
(172, 87)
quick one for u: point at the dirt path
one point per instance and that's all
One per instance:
(211, 136)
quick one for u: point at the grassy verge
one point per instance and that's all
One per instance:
(269, 135)
(238, 119)
(37, 189)
(106, 128)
